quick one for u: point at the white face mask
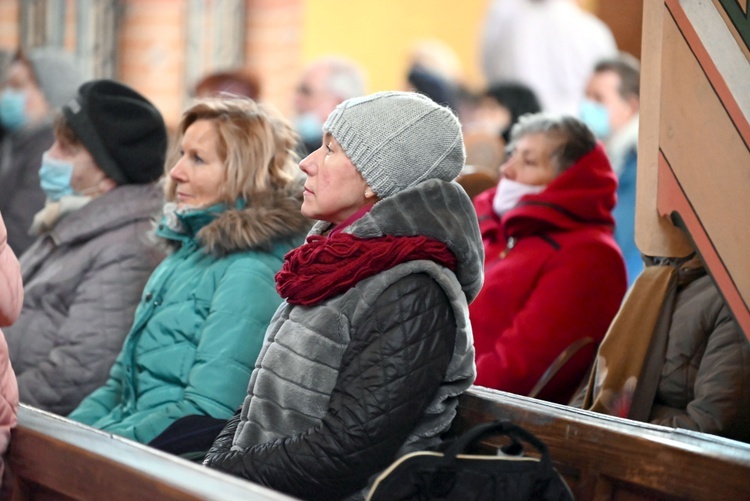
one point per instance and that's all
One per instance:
(509, 193)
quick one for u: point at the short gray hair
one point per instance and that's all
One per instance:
(345, 78)
(576, 139)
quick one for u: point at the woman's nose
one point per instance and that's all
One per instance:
(508, 171)
(177, 173)
(55, 151)
(307, 163)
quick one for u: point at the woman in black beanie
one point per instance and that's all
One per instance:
(84, 273)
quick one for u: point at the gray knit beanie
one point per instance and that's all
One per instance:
(57, 73)
(398, 139)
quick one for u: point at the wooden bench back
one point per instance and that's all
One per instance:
(601, 457)
(608, 458)
(52, 458)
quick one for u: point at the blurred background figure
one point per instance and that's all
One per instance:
(438, 58)
(501, 106)
(11, 299)
(554, 277)
(487, 129)
(432, 85)
(549, 45)
(84, 273)
(37, 84)
(324, 84)
(236, 82)
(611, 110)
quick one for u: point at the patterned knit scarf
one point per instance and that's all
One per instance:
(325, 267)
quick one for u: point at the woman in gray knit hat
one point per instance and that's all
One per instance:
(366, 357)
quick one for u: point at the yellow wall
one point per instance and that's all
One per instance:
(378, 34)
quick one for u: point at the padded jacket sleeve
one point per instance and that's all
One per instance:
(395, 362)
(228, 345)
(84, 346)
(719, 403)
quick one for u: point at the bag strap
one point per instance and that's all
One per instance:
(495, 428)
(558, 363)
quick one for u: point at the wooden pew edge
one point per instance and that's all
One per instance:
(680, 438)
(168, 469)
(605, 457)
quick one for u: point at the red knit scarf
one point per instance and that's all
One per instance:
(325, 267)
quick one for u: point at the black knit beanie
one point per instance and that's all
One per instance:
(121, 129)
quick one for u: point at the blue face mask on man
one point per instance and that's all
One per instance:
(308, 127)
(596, 116)
(55, 176)
(13, 109)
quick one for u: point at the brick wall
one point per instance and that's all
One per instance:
(152, 50)
(273, 47)
(9, 17)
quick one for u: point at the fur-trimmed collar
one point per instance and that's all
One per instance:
(265, 218)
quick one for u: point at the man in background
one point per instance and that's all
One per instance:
(611, 111)
(324, 84)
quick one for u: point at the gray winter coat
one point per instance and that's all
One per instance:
(343, 387)
(82, 282)
(20, 194)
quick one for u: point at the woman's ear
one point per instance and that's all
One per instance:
(106, 185)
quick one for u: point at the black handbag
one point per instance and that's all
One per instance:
(455, 475)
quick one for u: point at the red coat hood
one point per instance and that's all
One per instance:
(583, 195)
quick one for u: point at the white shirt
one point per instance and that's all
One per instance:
(550, 45)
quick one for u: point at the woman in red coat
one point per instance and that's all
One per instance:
(553, 272)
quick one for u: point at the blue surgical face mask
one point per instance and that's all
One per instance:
(13, 109)
(54, 177)
(309, 127)
(596, 116)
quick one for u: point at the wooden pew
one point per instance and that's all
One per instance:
(601, 458)
(52, 458)
(608, 458)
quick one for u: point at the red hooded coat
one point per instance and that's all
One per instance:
(553, 274)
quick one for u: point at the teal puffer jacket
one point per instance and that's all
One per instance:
(201, 321)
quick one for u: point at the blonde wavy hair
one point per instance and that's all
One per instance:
(256, 144)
